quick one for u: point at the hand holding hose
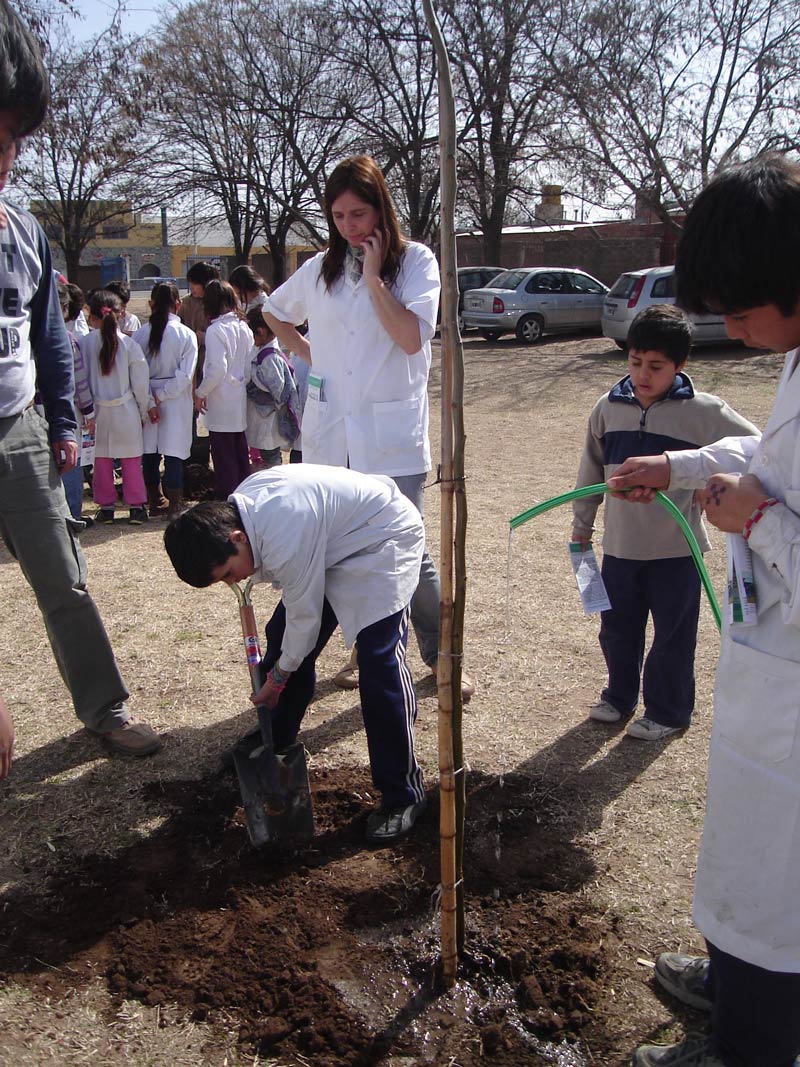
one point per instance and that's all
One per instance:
(637, 479)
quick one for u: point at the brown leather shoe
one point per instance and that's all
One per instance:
(347, 678)
(133, 739)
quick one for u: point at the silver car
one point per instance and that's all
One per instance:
(640, 289)
(531, 301)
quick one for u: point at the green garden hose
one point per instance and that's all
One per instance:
(599, 489)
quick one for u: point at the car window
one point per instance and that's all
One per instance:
(471, 280)
(509, 279)
(664, 286)
(487, 276)
(582, 283)
(546, 281)
(623, 286)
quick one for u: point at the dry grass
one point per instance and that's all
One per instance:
(534, 656)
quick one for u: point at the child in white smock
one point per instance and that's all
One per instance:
(273, 406)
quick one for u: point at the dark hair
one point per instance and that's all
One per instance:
(661, 328)
(122, 290)
(739, 247)
(218, 298)
(76, 301)
(361, 176)
(63, 294)
(24, 88)
(198, 541)
(256, 321)
(107, 307)
(164, 298)
(248, 280)
(201, 273)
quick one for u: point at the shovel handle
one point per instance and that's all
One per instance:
(252, 649)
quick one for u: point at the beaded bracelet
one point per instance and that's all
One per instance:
(758, 515)
(277, 678)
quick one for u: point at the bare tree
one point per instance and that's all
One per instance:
(85, 167)
(504, 107)
(386, 61)
(657, 96)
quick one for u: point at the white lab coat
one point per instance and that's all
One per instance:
(225, 371)
(319, 532)
(171, 372)
(373, 412)
(747, 891)
(121, 398)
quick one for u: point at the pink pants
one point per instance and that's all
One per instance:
(103, 489)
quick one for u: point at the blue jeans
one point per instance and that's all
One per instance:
(173, 470)
(73, 490)
(37, 528)
(425, 602)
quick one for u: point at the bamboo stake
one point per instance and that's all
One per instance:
(451, 772)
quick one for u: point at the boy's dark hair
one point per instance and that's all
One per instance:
(122, 290)
(201, 273)
(198, 541)
(24, 88)
(256, 321)
(661, 328)
(739, 247)
(247, 279)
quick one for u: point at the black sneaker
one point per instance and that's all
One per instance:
(685, 977)
(105, 516)
(693, 1052)
(388, 825)
(137, 516)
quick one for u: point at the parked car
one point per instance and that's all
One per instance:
(639, 289)
(473, 278)
(533, 301)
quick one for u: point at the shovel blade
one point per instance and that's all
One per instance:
(275, 792)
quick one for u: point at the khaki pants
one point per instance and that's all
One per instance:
(37, 528)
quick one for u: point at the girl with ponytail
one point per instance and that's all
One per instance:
(171, 352)
(120, 385)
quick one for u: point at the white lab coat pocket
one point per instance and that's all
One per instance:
(398, 424)
(757, 703)
(315, 416)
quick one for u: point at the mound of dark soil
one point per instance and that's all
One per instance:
(328, 953)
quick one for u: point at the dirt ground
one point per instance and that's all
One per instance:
(138, 925)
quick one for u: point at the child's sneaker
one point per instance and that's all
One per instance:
(685, 977)
(105, 516)
(645, 729)
(602, 711)
(137, 516)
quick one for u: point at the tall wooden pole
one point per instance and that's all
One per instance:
(453, 536)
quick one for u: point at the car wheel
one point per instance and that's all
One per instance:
(530, 329)
(621, 344)
(490, 335)
(460, 323)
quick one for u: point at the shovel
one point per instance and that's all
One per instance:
(274, 786)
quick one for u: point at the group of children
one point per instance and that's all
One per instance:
(139, 386)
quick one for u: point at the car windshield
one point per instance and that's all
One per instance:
(509, 279)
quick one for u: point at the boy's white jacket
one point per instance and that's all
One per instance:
(319, 531)
(747, 892)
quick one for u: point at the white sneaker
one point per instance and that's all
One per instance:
(602, 711)
(645, 729)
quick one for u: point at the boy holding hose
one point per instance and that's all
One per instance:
(739, 256)
(647, 564)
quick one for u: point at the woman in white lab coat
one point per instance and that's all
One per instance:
(370, 300)
(222, 393)
(171, 352)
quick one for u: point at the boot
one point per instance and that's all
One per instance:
(175, 498)
(155, 501)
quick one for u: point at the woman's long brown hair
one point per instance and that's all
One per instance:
(361, 176)
(107, 307)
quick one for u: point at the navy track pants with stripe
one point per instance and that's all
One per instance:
(388, 699)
